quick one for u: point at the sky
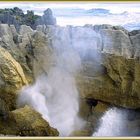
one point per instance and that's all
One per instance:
(115, 7)
(75, 13)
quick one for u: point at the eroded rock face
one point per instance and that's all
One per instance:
(41, 50)
(136, 41)
(47, 18)
(117, 83)
(116, 42)
(26, 122)
(16, 48)
(9, 41)
(12, 77)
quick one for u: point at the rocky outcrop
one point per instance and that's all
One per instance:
(116, 42)
(16, 17)
(26, 122)
(116, 83)
(34, 46)
(47, 18)
(12, 78)
(113, 75)
(9, 40)
(134, 37)
(16, 72)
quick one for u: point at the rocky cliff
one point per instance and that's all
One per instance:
(109, 76)
(17, 17)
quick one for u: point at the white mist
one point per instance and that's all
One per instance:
(55, 94)
(113, 123)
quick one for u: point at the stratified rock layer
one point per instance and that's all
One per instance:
(26, 122)
(12, 78)
(118, 82)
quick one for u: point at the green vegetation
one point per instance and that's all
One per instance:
(30, 17)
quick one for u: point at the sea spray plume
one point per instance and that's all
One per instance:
(113, 123)
(58, 103)
(62, 79)
(64, 103)
(55, 95)
(33, 95)
(84, 40)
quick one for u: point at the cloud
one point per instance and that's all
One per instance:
(40, 6)
(131, 22)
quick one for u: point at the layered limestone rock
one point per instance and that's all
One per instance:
(12, 78)
(9, 41)
(15, 72)
(117, 82)
(135, 39)
(116, 42)
(26, 122)
(112, 76)
(34, 45)
(25, 46)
